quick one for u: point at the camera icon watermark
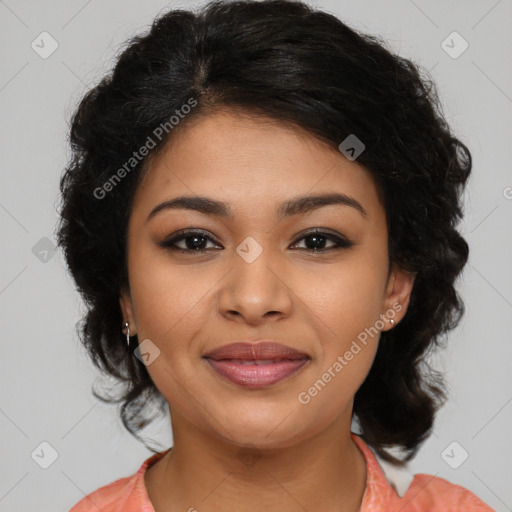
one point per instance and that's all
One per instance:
(44, 250)
(454, 455)
(147, 352)
(44, 455)
(249, 249)
(249, 455)
(351, 147)
(44, 45)
(454, 45)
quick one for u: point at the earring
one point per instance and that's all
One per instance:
(392, 321)
(127, 325)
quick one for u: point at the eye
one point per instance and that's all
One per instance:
(318, 238)
(195, 242)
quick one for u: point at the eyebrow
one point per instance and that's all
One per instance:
(295, 206)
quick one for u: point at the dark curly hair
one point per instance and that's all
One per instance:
(287, 61)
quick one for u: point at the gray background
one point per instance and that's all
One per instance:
(45, 375)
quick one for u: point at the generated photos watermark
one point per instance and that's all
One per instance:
(143, 151)
(304, 397)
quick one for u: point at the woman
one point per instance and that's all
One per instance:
(260, 214)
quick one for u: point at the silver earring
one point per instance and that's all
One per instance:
(127, 325)
(392, 321)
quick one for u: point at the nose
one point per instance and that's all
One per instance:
(255, 289)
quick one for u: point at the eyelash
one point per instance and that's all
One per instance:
(341, 242)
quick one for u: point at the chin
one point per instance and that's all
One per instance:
(265, 429)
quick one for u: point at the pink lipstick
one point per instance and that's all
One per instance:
(256, 365)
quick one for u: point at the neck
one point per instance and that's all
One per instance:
(326, 472)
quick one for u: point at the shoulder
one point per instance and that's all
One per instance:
(434, 494)
(118, 496)
(126, 494)
(396, 490)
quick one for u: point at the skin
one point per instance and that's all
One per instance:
(188, 304)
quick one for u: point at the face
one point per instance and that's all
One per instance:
(315, 278)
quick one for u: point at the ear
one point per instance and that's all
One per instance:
(398, 293)
(125, 301)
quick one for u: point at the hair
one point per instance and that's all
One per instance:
(292, 63)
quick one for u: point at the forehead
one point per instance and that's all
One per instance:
(250, 162)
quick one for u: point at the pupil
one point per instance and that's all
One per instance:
(316, 238)
(195, 244)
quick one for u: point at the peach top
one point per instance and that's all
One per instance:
(425, 492)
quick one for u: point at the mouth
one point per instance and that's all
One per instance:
(256, 365)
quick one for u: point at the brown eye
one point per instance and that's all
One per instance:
(317, 239)
(195, 242)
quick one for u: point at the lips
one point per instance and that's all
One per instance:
(256, 365)
(263, 350)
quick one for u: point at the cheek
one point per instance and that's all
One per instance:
(347, 307)
(170, 307)
(166, 298)
(348, 298)
(345, 324)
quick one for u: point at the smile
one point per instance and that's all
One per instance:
(257, 373)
